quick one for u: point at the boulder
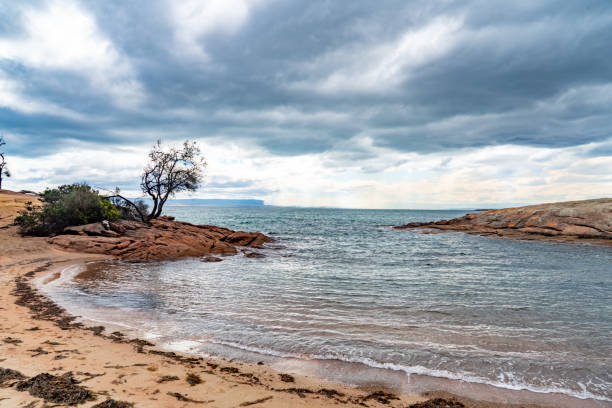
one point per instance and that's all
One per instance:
(210, 258)
(253, 254)
(117, 227)
(95, 229)
(241, 238)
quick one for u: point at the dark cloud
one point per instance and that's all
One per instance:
(600, 151)
(525, 73)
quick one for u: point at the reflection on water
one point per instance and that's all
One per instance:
(347, 291)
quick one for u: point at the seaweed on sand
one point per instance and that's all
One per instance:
(193, 379)
(183, 398)
(6, 374)
(111, 403)
(438, 403)
(258, 401)
(381, 396)
(59, 389)
(286, 378)
(167, 378)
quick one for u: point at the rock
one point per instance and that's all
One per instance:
(588, 219)
(117, 227)
(161, 240)
(223, 248)
(95, 229)
(412, 225)
(210, 258)
(241, 238)
(252, 254)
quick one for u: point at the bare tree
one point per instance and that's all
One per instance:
(4, 171)
(128, 209)
(171, 171)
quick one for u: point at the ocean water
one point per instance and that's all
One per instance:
(342, 295)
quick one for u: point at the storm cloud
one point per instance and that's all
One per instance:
(359, 81)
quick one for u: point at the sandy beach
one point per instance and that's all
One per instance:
(123, 370)
(39, 337)
(255, 203)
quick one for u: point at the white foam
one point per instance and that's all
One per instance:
(182, 346)
(506, 381)
(421, 370)
(65, 275)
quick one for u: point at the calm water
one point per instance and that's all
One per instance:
(342, 288)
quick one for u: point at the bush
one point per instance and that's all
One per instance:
(74, 204)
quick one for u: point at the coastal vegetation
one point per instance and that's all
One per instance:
(169, 171)
(41, 332)
(73, 204)
(4, 171)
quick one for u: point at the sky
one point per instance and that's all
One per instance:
(359, 104)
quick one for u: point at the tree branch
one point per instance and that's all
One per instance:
(140, 214)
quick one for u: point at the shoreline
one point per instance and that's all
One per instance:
(39, 340)
(41, 319)
(40, 337)
(453, 388)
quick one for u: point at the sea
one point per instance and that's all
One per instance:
(342, 296)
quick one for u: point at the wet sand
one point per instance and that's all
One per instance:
(37, 337)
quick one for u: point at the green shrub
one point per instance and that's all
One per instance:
(73, 204)
(109, 212)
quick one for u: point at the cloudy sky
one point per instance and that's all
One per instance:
(368, 104)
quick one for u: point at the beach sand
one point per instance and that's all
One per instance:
(38, 337)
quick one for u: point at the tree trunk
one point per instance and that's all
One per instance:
(154, 209)
(140, 214)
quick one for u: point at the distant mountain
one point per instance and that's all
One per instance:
(213, 202)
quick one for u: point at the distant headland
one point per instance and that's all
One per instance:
(217, 202)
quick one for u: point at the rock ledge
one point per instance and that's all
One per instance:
(567, 221)
(164, 239)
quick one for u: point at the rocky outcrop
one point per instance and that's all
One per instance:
(163, 239)
(572, 220)
(95, 229)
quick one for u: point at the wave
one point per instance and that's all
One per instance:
(505, 381)
(65, 275)
(419, 370)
